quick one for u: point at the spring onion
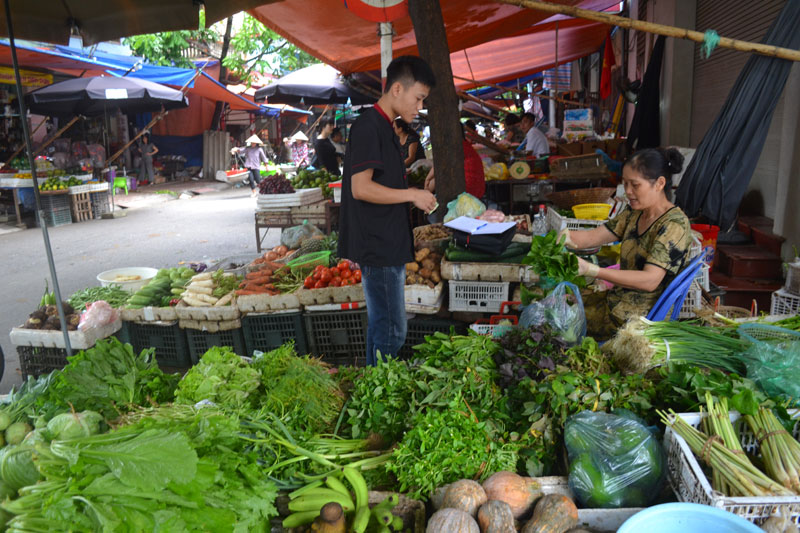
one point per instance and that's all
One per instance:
(779, 450)
(642, 344)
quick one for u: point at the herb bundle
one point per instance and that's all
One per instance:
(528, 353)
(551, 260)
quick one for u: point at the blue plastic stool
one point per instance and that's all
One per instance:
(674, 295)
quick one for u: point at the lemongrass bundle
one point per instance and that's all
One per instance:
(779, 450)
(718, 422)
(643, 344)
(738, 472)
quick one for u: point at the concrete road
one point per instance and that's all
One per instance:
(158, 230)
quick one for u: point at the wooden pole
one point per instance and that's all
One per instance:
(513, 90)
(146, 128)
(651, 27)
(475, 137)
(49, 141)
(490, 105)
(22, 147)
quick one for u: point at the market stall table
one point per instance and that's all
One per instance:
(317, 214)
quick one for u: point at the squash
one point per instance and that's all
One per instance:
(451, 521)
(520, 493)
(438, 497)
(495, 516)
(554, 513)
(466, 495)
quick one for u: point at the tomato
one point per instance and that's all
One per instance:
(316, 276)
(336, 282)
(344, 264)
(309, 283)
(320, 285)
(357, 276)
(346, 273)
(326, 276)
(334, 271)
(318, 268)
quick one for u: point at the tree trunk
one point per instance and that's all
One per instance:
(223, 73)
(442, 103)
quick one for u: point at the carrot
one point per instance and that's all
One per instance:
(243, 292)
(254, 275)
(275, 266)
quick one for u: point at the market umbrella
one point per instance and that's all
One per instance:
(720, 171)
(94, 96)
(317, 84)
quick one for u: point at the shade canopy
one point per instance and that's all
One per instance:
(316, 84)
(94, 96)
(104, 20)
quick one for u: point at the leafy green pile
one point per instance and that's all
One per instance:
(221, 377)
(551, 260)
(528, 353)
(108, 378)
(299, 389)
(446, 445)
(174, 469)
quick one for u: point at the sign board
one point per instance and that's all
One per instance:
(29, 78)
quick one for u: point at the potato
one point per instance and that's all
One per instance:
(425, 273)
(422, 254)
(412, 267)
(435, 276)
(430, 284)
(428, 264)
(272, 256)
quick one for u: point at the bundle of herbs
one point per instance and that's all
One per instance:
(221, 377)
(299, 389)
(642, 344)
(552, 262)
(528, 353)
(780, 451)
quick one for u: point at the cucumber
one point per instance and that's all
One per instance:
(459, 254)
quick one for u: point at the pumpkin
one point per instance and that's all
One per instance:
(520, 493)
(554, 513)
(438, 497)
(466, 495)
(495, 516)
(451, 521)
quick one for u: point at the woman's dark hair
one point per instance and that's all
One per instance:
(511, 119)
(146, 137)
(653, 163)
(404, 126)
(327, 121)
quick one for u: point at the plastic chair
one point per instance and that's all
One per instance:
(675, 293)
(121, 182)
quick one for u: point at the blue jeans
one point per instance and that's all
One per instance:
(384, 289)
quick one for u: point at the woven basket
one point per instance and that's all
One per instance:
(567, 199)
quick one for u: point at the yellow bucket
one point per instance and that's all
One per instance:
(591, 211)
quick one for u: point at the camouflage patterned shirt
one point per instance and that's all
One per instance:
(664, 244)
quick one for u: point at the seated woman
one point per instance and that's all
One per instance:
(655, 237)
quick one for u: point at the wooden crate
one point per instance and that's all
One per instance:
(81, 206)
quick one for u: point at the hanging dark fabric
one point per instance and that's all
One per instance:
(719, 174)
(646, 125)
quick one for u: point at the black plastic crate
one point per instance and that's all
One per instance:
(419, 328)
(100, 203)
(35, 360)
(265, 332)
(339, 337)
(172, 350)
(58, 217)
(200, 341)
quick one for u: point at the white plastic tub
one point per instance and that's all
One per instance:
(109, 277)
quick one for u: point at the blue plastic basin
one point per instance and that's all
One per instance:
(686, 518)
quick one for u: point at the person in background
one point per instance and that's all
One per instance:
(337, 139)
(324, 151)
(253, 157)
(375, 228)
(299, 149)
(535, 140)
(474, 177)
(148, 151)
(409, 142)
(514, 136)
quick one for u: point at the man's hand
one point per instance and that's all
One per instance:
(423, 200)
(585, 268)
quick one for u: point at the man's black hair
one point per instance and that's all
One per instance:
(529, 116)
(407, 70)
(326, 121)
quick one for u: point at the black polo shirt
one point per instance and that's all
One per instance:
(326, 156)
(374, 234)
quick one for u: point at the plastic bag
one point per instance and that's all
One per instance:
(465, 205)
(773, 359)
(97, 314)
(493, 215)
(568, 321)
(293, 237)
(613, 461)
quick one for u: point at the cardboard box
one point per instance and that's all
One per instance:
(589, 147)
(570, 149)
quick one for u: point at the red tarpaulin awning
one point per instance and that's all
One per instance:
(332, 33)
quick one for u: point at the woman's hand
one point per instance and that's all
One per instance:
(585, 268)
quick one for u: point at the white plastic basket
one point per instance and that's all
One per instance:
(557, 222)
(693, 301)
(784, 303)
(691, 484)
(480, 296)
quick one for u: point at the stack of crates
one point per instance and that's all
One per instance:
(167, 338)
(264, 332)
(81, 206)
(56, 208)
(100, 203)
(338, 336)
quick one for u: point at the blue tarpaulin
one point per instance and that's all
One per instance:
(189, 147)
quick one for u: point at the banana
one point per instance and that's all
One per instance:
(314, 500)
(299, 519)
(334, 484)
(390, 501)
(303, 490)
(359, 485)
(397, 523)
(361, 521)
(384, 516)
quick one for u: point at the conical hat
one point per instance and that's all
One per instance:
(299, 136)
(253, 139)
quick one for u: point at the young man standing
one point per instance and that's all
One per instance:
(375, 230)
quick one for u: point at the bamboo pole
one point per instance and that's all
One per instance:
(490, 105)
(513, 90)
(119, 152)
(474, 136)
(651, 27)
(49, 141)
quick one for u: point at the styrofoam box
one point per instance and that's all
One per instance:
(78, 340)
(423, 299)
(691, 484)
